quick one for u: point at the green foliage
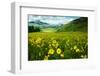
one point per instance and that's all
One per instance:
(80, 25)
(33, 29)
(62, 45)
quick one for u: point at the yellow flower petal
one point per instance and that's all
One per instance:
(75, 47)
(51, 51)
(62, 55)
(58, 51)
(77, 50)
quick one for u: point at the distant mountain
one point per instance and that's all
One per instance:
(80, 24)
(38, 22)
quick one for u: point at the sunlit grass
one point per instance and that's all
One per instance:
(60, 45)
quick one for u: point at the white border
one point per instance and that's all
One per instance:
(18, 64)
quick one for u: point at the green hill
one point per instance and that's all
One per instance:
(80, 24)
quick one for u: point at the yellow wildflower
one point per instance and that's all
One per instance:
(83, 56)
(51, 51)
(38, 40)
(55, 45)
(38, 45)
(50, 46)
(62, 55)
(75, 47)
(58, 51)
(54, 41)
(77, 50)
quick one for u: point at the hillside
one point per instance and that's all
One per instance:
(80, 24)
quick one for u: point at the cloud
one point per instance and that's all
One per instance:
(53, 20)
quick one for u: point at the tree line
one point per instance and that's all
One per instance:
(33, 29)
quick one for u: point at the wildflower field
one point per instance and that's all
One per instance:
(57, 45)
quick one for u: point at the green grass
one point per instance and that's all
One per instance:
(57, 45)
(80, 24)
(48, 30)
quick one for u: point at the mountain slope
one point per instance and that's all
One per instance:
(40, 24)
(80, 24)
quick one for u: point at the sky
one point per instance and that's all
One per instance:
(52, 20)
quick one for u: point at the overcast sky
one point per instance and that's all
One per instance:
(53, 20)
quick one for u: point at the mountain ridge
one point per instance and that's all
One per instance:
(80, 24)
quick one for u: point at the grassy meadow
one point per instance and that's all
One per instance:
(63, 45)
(53, 43)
